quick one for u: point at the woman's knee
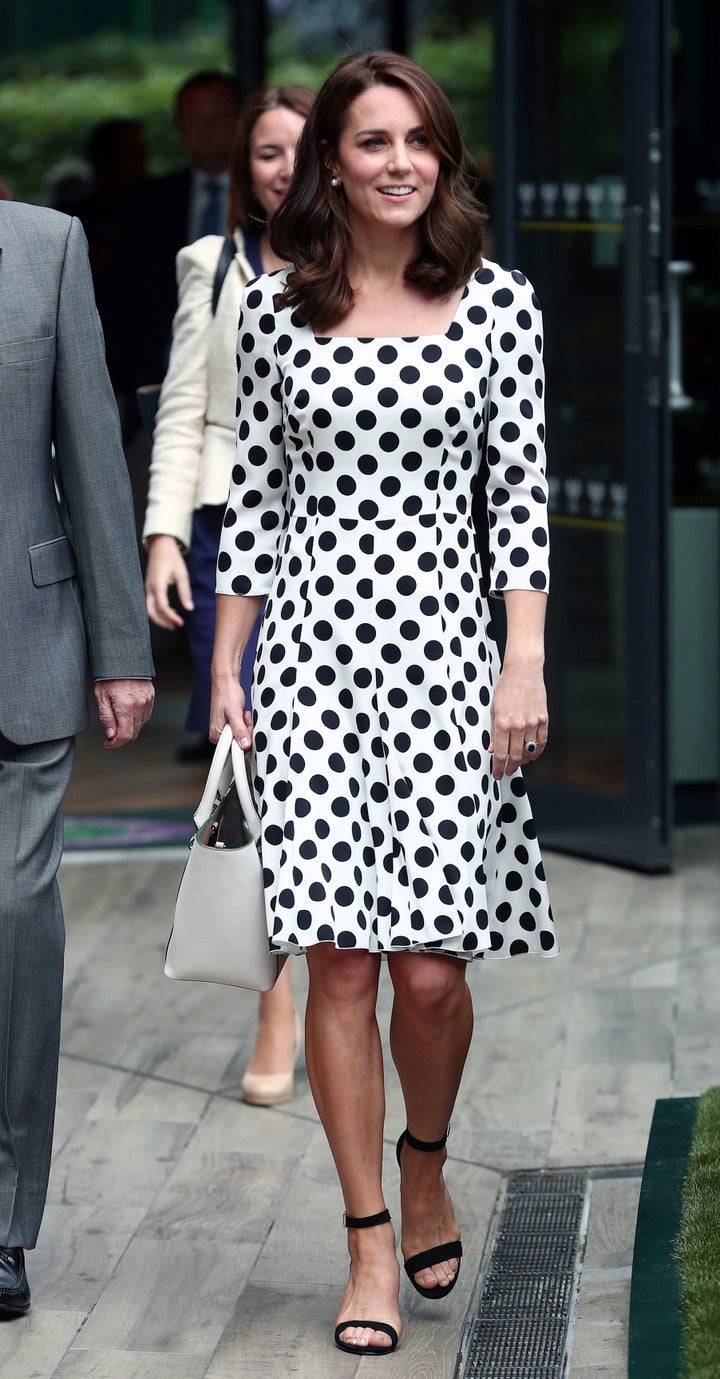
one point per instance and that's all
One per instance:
(427, 982)
(343, 976)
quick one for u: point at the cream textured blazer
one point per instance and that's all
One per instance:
(194, 444)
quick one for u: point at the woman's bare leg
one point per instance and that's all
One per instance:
(430, 1034)
(345, 1066)
(274, 1047)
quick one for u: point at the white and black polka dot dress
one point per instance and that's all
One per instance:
(350, 508)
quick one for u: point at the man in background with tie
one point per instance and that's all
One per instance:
(163, 215)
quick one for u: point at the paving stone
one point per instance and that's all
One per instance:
(230, 1198)
(603, 1112)
(170, 1296)
(77, 1251)
(601, 1328)
(117, 1364)
(31, 1347)
(228, 1124)
(125, 1162)
(611, 1227)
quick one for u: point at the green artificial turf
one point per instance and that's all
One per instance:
(698, 1245)
(655, 1329)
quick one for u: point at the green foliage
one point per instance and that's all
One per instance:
(698, 1246)
(459, 59)
(50, 100)
(591, 97)
(285, 63)
(462, 65)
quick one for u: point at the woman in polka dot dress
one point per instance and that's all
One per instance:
(372, 379)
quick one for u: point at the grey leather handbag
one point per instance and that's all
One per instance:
(220, 931)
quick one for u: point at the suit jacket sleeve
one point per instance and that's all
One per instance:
(94, 480)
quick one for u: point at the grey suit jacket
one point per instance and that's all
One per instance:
(70, 582)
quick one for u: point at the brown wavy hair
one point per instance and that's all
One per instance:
(311, 230)
(244, 209)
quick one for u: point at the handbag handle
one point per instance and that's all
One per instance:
(242, 785)
(228, 762)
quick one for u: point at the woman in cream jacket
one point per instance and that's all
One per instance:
(193, 453)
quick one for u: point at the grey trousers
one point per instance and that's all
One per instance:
(33, 781)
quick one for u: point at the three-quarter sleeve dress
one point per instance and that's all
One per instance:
(350, 508)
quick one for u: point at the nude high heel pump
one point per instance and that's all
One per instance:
(273, 1089)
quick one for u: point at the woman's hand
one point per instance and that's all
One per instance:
(518, 714)
(228, 706)
(234, 622)
(166, 568)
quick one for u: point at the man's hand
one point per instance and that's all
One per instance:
(124, 706)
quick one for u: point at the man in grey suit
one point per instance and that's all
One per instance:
(72, 600)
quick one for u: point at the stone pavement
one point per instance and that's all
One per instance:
(188, 1235)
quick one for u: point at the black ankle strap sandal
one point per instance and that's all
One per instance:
(360, 1223)
(425, 1146)
(438, 1254)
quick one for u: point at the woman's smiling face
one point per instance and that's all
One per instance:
(384, 159)
(272, 155)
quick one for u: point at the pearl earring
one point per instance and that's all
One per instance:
(335, 182)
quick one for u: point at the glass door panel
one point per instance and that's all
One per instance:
(570, 203)
(582, 146)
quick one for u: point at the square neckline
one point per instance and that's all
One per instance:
(406, 339)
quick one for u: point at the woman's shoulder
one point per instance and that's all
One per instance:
(197, 265)
(268, 284)
(202, 253)
(261, 293)
(504, 285)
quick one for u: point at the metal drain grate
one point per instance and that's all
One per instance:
(519, 1329)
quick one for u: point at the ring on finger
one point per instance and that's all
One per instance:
(531, 747)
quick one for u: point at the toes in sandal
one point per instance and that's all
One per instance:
(438, 1254)
(367, 1349)
(360, 1223)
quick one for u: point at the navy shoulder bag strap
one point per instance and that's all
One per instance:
(227, 254)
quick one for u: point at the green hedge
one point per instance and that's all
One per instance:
(461, 62)
(463, 65)
(49, 102)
